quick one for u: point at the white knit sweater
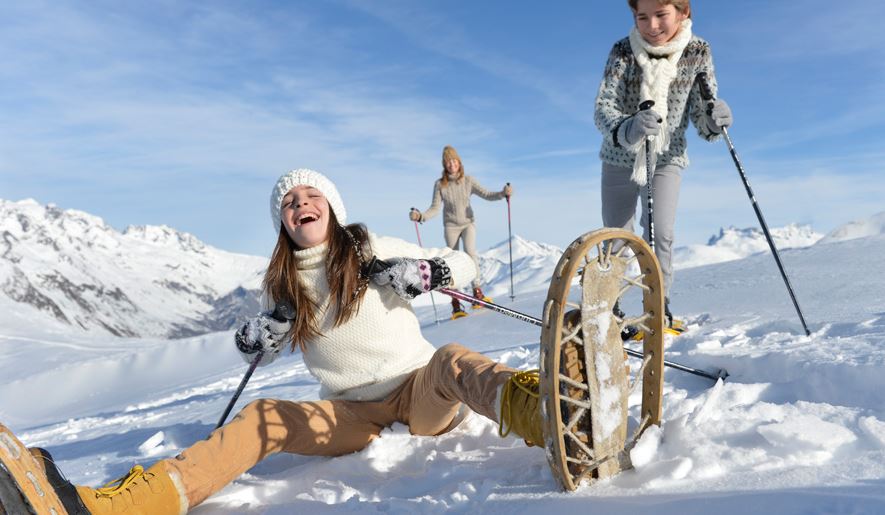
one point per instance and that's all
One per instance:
(368, 356)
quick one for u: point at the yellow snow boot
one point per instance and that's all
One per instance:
(520, 408)
(155, 491)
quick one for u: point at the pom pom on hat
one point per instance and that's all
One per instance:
(305, 177)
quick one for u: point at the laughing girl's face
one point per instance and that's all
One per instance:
(305, 215)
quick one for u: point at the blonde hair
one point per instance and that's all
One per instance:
(449, 152)
(683, 6)
(347, 249)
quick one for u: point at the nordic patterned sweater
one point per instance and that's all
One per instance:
(618, 99)
(371, 354)
(455, 198)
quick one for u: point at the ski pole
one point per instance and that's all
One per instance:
(721, 374)
(432, 300)
(649, 175)
(510, 244)
(281, 313)
(707, 95)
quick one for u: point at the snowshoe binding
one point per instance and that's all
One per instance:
(457, 310)
(585, 382)
(477, 294)
(672, 326)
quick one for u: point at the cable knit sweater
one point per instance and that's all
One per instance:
(455, 198)
(368, 356)
(619, 98)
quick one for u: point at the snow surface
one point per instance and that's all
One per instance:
(798, 426)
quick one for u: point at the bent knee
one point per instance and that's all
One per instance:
(449, 352)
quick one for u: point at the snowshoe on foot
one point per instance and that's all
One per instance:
(584, 379)
(477, 294)
(672, 326)
(457, 310)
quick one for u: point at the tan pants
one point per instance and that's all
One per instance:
(427, 401)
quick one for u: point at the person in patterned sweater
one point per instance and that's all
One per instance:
(452, 191)
(354, 325)
(658, 61)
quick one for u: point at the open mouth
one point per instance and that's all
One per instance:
(306, 218)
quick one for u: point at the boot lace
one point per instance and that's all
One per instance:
(118, 485)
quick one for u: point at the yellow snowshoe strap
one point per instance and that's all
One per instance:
(118, 485)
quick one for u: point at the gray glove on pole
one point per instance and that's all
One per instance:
(718, 115)
(262, 332)
(643, 123)
(412, 277)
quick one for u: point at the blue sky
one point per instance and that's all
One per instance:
(185, 113)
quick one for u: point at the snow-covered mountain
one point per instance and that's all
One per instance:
(529, 258)
(732, 243)
(872, 226)
(70, 269)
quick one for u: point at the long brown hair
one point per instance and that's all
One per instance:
(347, 250)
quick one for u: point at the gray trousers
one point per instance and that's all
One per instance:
(619, 196)
(467, 235)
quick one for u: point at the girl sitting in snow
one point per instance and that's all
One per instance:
(658, 61)
(360, 339)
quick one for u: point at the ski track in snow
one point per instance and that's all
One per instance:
(797, 427)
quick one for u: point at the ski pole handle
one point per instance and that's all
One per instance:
(648, 104)
(282, 312)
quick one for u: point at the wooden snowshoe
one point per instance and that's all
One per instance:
(585, 381)
(30, 485)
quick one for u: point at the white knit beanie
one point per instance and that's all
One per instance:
(305, 177)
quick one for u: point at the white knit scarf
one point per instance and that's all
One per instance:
(657, 74)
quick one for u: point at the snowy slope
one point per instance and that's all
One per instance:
(69, 269)
(732, 243)
(798, 427)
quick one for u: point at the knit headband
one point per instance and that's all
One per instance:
(305, 177)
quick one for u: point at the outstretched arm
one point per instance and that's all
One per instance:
(477, 189)
(460, 264)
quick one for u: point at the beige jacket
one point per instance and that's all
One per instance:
(455, 200)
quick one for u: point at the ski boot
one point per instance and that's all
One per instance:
(477, 294)
(30, 482)
(585, 383)
(457, 310)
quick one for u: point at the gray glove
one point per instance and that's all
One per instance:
(412, 277)
(718, 115)
(262, 332)
(643, 123)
